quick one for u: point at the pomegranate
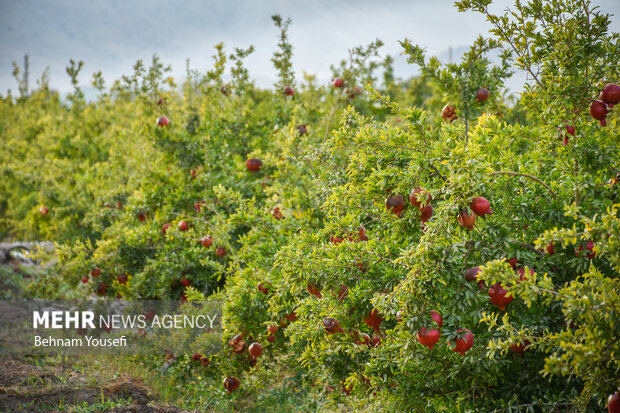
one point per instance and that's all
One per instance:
(95, 272)
(220, 251)
(253, 164)
(289, 91)
(472, 274)
(481, 206)
(183, 225)
(513, 262)
(165, 228)
(449, 113)
(466, 219)
(598, 110)
(362, 233)
(590, 247)
(437, 317)
(550, 249)
(231, 384)
(332, 326)
(162, 121)
(85, 279)
(376, 340)
(343, 292)
(613, 402)
(498, 296)
(160, 101)
(338, 82)
(428, 338)
(364, 339)
(483, 94)
(205, 361)
(255, 350)
(611, 94)
(522, 275)
(271, 338)
(427, 213)
(464, 342)
(43, 210)
(101, 288)
(273, 329)
(520, 347)
(193, 173)
(206, 241)
(373, 320)
(417, 197)
(335, 240)
(263, 287)
(570, 129)
(292, 316)
(122, 279)
(314, 290)
(395, 204)
(196, 356)
(185, 282)
(277, 214)
(141, 217)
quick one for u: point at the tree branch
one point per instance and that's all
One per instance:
(532, 177)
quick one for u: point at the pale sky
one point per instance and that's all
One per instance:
(111, 35)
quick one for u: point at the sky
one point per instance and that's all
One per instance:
(111, 35)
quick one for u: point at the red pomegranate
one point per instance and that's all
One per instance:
(362, 233)
(550, 249)
(231, 384)
(472, 274)
(466, 219)
(611, 94)
(314, 290)
(338, 82)
(43, 211)
(332, 326)
(481, 206)
(464, 342)
(498, 295)
(85, 279)
(613, 402)
(483, 94)
(206, 241)
(255, 350)
(590, 247)
(520, 347)
(273, 329)
(220, 251)
(522, 275)
(289, 91)
(598, 110)
(253, 164)
(165, 228)
(364, 339)
(373, 320)
(196, 356)
(395, 204)
(427, 213)
(428, 338)
(185, 282)
(513, 262)
(162, 121)
(417, 197)
(292, 316)
(183, 225)
(437, 317)
(277, 214)
(343, 292)
(95, 272)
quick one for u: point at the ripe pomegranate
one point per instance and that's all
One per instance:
(95, 272)
(141, 217)
(335, 240)
(613, 402)
(550, 249)
(522, 275)
(464, 342)
(314, 290)
(122, 279)
(162, 121)
(373, 320)
(364, 339)
(292, 316)
(277, 214)
(598, 110)
(193, 173)
(289, 91)
(343, 292)
(338, 82)
(206, 241)
(417, 197)
(165, 228)
(332, 326)
(303, 129)
(520, 347)
(253, 164)
(271, 338)
(362, 233)
(427, 213)
(185, 282)
(449, 113)
(428, 338)
(395, 204)
(255, 350)
(483, 94)
(376, 340)
(220, 251)
(481, 206)
(231, 384)
(437, 317)
(85, 279)
(101, 288)
(273, 329)
(263, 287)
(43, 210)
(611, 94)
(466, 219)
(205, 361)
(570, 129)
(472, 274)
(196, 356)
(183, 225)
(513, 262)
(590, 247)
(498, 296)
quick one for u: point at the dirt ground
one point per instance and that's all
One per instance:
(25, 387)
